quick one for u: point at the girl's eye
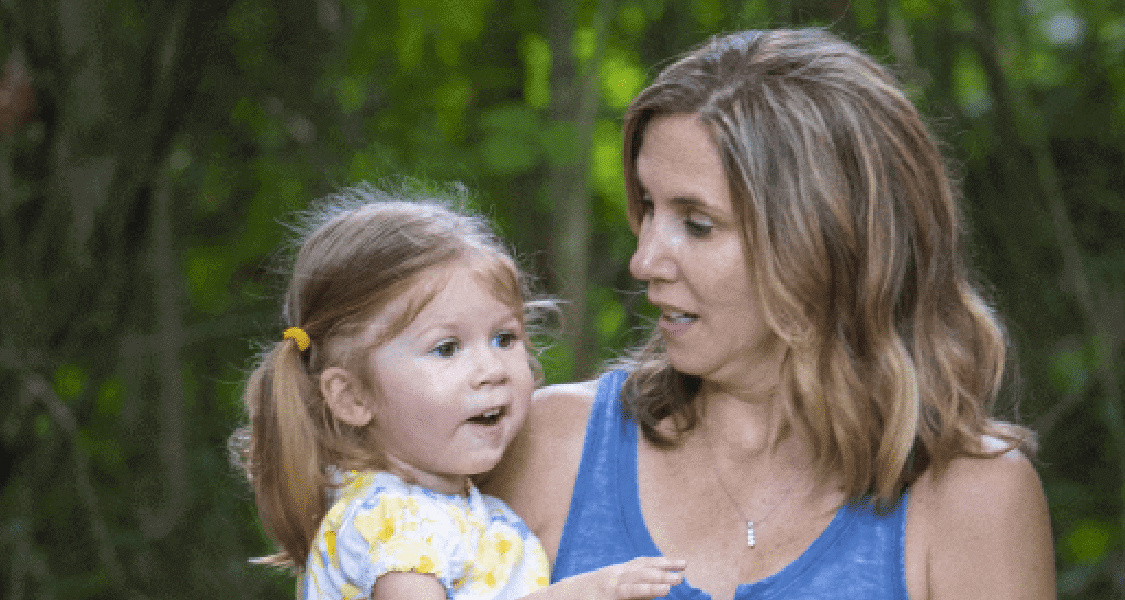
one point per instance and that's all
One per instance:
(505, 339)
(445, 349)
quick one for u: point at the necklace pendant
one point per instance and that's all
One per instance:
(750, 534)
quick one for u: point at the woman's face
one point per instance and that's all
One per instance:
(691, 254)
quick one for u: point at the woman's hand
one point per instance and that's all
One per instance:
(643, 578)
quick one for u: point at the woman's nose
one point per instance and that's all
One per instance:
(651, 260)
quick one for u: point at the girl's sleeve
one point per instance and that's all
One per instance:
(397, 533)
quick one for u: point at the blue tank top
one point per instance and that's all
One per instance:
(858, 556)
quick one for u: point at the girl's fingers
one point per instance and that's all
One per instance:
(658, 562)
(649, 577)
(643, 591)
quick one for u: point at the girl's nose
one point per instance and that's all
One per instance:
(491, 368)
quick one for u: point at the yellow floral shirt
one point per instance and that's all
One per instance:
(476, 546)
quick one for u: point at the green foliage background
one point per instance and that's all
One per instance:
(140, 208)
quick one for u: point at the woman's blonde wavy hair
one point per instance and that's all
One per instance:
(853, 228)
(359, 249)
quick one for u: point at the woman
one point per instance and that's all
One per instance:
(813, 407)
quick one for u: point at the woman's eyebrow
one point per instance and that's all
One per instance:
(685, 202)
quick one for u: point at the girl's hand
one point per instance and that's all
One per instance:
(643, 578)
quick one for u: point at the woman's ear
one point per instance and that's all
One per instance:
(345, 398)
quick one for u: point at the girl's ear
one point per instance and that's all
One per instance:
(345, 397)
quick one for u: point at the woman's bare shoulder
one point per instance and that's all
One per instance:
(562, 405)
(553, 435)
(536, 475)
(985, 529)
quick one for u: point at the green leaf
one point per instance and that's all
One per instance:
(582, 43)
(371, 164)
(631, 17)
(511, 118)
(559, 141)
(707, 12)
(411, 39)
(508, 155)
(557, 364)
(755, 11)
(460, 19)
(70, 381)
(1071, 370)
(536, 54)
(215, 189)
(451, 101)
(1089, 541)
(512, 142)
(1068, 372)
(622, 80)
(607, 174)
(111, 398)
(609, 317)
(971, 84)
(916, 10)
(105, 452)
(208, 271)
(866, 13)
(248, 112)
(350, 94)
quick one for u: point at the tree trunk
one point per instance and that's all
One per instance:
(575, 99)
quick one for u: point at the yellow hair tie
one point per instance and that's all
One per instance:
(298, 335)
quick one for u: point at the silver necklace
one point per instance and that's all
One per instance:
(751, 541)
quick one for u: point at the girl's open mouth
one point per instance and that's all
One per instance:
(489, 417)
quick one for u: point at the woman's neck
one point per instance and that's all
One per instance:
(753, 428)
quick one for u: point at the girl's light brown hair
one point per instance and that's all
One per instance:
(359, 250)
(853, 230)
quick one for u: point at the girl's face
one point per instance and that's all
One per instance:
(691, 254)
(452, 389)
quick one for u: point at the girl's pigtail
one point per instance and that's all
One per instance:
(285, 469)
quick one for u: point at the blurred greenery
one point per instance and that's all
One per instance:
(148, 151)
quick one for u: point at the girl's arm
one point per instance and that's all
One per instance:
(986, 531)
(644, 578)
(408, 586)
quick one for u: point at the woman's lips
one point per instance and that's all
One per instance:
(676, 321)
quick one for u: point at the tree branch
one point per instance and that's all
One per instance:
(41, 391)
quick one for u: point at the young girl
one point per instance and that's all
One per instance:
(404, 370)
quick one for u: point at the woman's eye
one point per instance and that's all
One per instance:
(505, 339)
(644, 208)
(445, 349)
(698, 227)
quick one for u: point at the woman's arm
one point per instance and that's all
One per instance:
(986, 531)
(536, 475)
